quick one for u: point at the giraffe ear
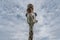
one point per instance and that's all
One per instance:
(35, 14)
(26, 15)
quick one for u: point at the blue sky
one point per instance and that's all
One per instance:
(13, 25)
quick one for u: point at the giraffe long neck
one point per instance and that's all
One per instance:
(30, 32)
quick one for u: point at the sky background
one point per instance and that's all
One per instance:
(13, 24)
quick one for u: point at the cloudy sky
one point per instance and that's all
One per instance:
(13, 25)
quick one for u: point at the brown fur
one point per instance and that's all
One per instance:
(29, 8)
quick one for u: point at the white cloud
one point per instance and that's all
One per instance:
(12, 19)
